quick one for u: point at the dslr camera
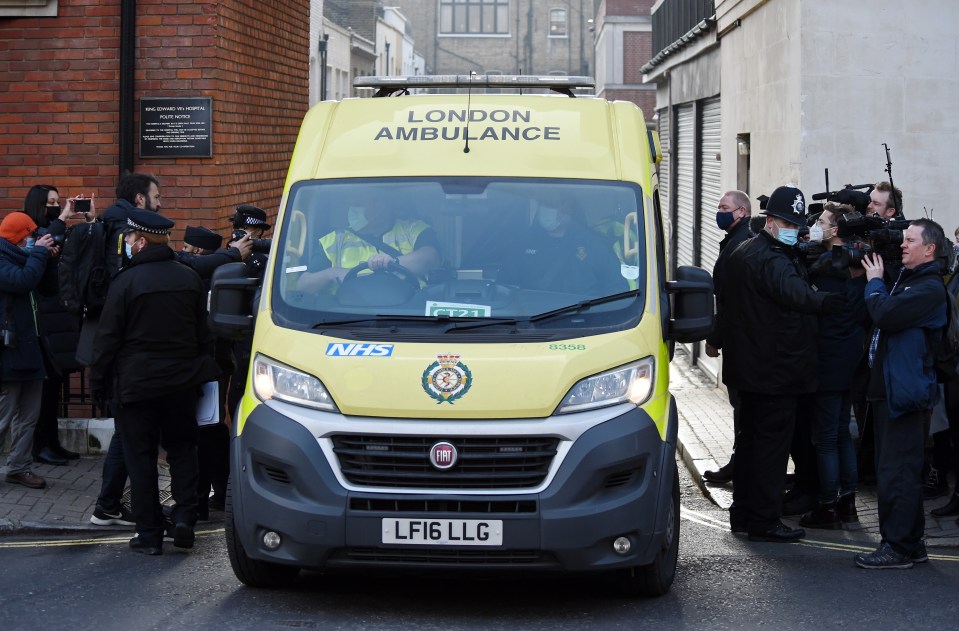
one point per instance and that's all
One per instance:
(57, 238)
(259, 245)
(867, 234)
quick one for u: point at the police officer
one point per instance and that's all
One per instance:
(152, 345)
(769, 338)
(213, 440)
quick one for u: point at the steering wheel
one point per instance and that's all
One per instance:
(393, 269)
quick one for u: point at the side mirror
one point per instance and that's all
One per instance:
(691, 309)
(231, 300)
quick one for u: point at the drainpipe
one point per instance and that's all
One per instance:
(128, 48)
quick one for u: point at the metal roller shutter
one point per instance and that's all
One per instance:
(709, 194)
(685, 188)
(664, 173)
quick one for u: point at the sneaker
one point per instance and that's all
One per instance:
(883, 558)
(919, 554)
(120, 517)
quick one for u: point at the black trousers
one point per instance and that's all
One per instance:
(762, 452)
(803, 451)
(900, 443)
(46, 433)
(213, 460)
(170, 422)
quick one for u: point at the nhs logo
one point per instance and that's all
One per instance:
(361, 350)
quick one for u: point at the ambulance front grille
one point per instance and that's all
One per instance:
(509, 462)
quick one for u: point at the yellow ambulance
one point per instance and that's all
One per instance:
(461, 344)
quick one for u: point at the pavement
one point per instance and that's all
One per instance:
(705, 442)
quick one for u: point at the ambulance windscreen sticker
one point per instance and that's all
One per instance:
(447, 379)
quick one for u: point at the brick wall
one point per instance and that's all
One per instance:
(58, 101)
(645, 99)
(629, 7)
(59, 113)
(637, 50)
(59, 118)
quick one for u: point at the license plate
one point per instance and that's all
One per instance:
(443, 532)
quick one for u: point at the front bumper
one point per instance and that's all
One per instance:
(611, 477)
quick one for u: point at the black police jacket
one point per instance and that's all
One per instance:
(769, 321)
(152, 339)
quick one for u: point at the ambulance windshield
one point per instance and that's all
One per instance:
(425, 253)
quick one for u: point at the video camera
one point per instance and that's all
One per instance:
(866, 234)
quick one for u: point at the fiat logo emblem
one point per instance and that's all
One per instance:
(443, 456)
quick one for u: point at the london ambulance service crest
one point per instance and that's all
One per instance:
(447, 379)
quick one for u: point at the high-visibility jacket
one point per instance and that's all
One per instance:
(345, 249)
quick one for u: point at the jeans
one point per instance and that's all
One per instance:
(114, 476)
(835, 453)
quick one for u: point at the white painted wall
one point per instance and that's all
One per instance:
(820, 83)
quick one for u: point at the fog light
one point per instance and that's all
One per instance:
(622, 545)
(271, 540)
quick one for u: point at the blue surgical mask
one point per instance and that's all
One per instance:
(128, 249)
(356, 217)
(724, 220)
(789, 236)
(548, 218)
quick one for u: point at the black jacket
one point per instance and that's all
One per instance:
(769, 325)
(729, 243)
(21, 273)
(152, 338)
(841, 335)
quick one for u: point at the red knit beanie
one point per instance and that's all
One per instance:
(16, 227)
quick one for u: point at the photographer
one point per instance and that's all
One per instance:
(22, 360)
(59, 328)
(902, 388)
(769, 342)
(839, 345)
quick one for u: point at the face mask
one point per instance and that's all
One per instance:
(548, 218)
(724, 220)
(789, 236)
(53, 212)
(128, 249)
(815, 234)
(356, 217)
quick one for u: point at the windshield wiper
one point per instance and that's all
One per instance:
(380, 318)
(584, 304)
(478, 323)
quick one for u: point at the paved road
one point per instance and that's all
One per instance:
(76, 581)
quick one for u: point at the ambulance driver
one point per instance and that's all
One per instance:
(377, 237)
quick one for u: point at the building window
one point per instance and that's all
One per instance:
(474, 17)
(28, 8)
(557, 23)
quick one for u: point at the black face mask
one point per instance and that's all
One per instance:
(52, 212)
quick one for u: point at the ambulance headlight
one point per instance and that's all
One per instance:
(632, 382)
(273, 380)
